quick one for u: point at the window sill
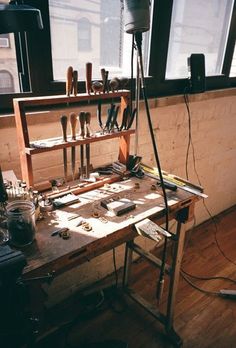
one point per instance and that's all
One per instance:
(198, 97)
(8, 120)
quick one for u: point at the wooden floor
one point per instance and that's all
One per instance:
(201, 320)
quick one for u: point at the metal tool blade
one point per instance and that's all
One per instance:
(87, 152)
(82, 134)
(64, 135)
(73, 122)
(87, 146)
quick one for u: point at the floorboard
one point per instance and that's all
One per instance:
(201, 320)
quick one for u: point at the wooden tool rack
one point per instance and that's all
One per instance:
(27, 151)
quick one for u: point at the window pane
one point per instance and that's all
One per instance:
(198, 27)
(233, 66)
(83, 31)
(9, 81)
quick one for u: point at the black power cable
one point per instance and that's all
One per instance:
(160, 285)
(185, 274)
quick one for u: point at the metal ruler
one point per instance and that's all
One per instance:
(153, 173)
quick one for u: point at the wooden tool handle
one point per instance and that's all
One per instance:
(87, 120)
(75, 82)
(82, 123)
(69, 78)
(103, 73)
(64, 127)
(88, 77)
(87, 117)
(106, 86)
(73, 122)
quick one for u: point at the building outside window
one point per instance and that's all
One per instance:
(196, 31)
(6, 82)
(84, 35)
(4, 41)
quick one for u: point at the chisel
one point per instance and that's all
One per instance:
(73, 122)
(64, 135)
(69, 79)
(87, 146)
(82, 133)
(88, 77)
(75, 83)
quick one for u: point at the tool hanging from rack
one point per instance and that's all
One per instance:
(64, 135)
(73, 123)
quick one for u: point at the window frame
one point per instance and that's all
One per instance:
(39, 58)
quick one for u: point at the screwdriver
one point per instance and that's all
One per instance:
(73, 122)
(64, 135)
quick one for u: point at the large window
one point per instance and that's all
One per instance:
(196, 31)
(83, 31)
(76, 32)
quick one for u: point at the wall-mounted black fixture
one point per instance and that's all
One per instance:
(17, 17)
(196, 66)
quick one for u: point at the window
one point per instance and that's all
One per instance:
(196, 31)
(90, 31)
(76, 32)
(6, 82)
(9, 80)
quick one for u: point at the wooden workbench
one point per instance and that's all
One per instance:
(54, 254)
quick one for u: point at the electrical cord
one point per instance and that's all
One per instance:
(183, 272)
(132, 74)
(160, 285)
(208, 292)
(208, 278)
(215, 235)
(114, 263)
(195, 170)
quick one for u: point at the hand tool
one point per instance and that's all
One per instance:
(131, 118)
(87, 146)
(3, 192)
(75, 82)
(168, 179)
(97, 87)
(103, 73)
(106, 81)
(73, 122)
(109, 117)
(82, 134)
(99, 114)
(88, 78)
(113, 122)
(114, 84)
(64, 129)
(124, 119)
(69, 79)
(123, 82)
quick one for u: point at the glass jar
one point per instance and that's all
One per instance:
(21, 222)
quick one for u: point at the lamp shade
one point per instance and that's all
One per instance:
(16, 17)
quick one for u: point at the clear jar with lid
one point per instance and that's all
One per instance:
(21, 222)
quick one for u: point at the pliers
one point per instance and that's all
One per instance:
(128, 118)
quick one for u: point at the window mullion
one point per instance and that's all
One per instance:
(229, 52)
(22, 61)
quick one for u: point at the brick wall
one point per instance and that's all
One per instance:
(213, 124)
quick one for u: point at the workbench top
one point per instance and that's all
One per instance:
(52, 253)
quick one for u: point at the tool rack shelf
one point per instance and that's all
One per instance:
(26, 150)
(94, 138)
